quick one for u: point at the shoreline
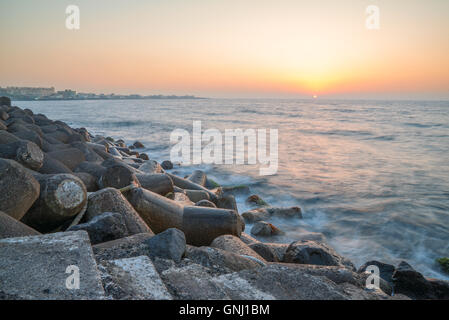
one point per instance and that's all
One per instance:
(184, 228)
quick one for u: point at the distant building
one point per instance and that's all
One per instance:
(26, 92)
(67, 94)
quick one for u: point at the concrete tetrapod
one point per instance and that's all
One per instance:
(187, 184)
(201, 225)
(62, 196)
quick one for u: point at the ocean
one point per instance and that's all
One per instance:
(372, 176)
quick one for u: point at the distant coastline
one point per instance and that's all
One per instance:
(47, 94)
(107, 98)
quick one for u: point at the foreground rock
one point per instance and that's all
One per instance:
(132, 279)
(105, 227)
(35, 267)
(411, 283)
(18, 189)
(11, 228)
(272, 282)
(311, 252)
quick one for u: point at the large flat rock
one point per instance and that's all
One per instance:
(272, 282)
(35, 267)
(133, 279)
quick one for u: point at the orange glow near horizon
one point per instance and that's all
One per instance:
(229, 48)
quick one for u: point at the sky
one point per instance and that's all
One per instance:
(230, 48)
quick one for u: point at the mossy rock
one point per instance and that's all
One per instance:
(257, 201)
(444, 264)
(212, 184)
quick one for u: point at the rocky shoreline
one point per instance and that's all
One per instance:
(88, 217)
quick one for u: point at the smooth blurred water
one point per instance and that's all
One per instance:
(372, 176)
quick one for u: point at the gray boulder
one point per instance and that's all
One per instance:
(170, 244)
(311, 252)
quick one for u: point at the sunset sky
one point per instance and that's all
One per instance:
(230, 48)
